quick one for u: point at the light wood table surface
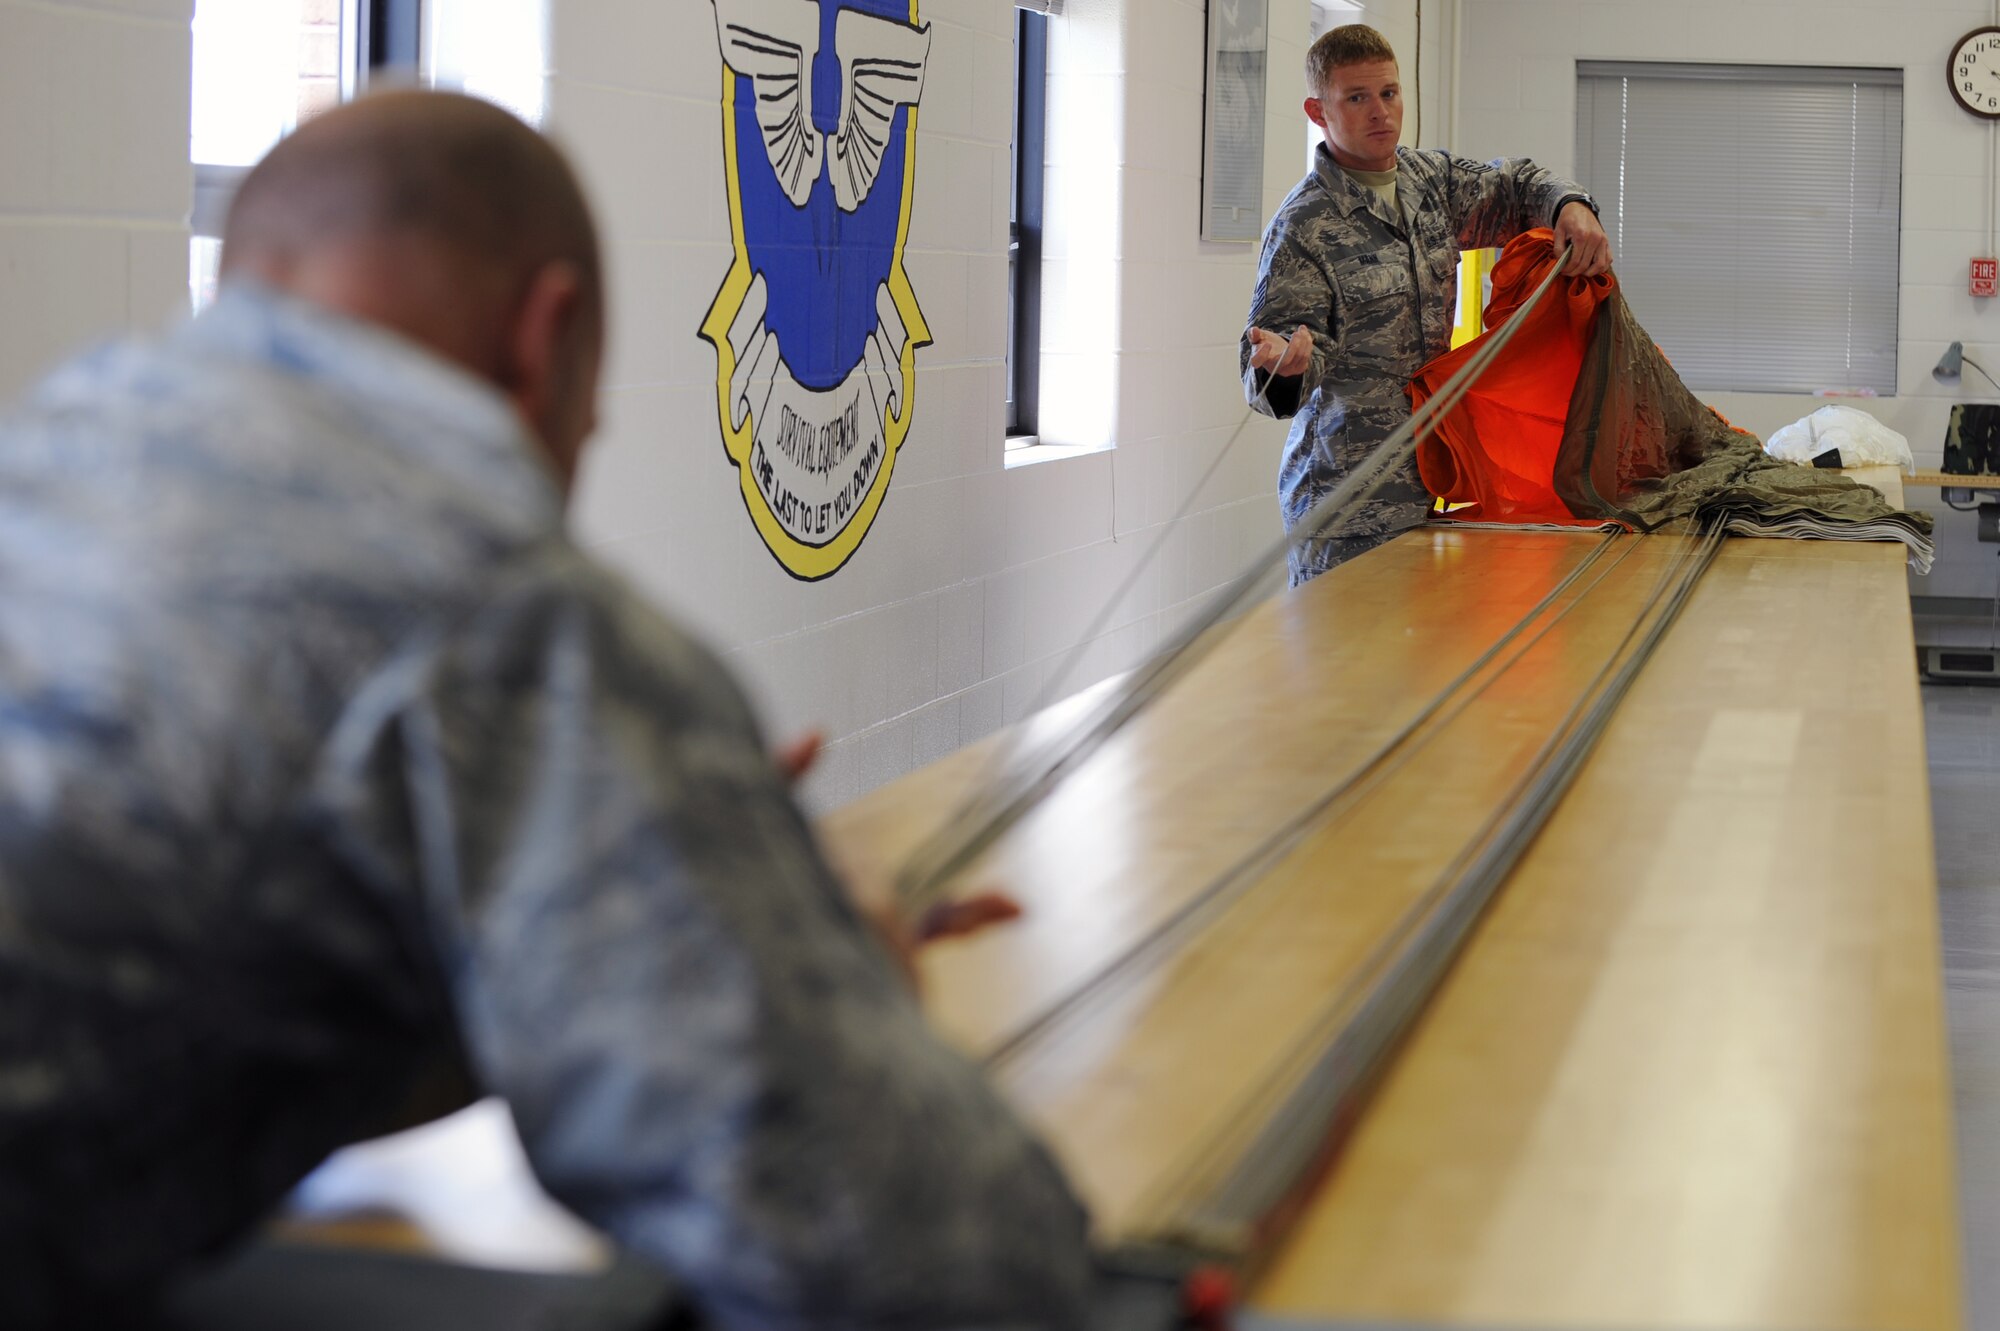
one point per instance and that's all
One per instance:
(1945, 480)
(1690, 1072)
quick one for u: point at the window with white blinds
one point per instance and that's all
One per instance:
(1755, 213)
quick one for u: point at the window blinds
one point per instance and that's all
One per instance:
(1755, 214)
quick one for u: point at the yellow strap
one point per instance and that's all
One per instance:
(1473, 266)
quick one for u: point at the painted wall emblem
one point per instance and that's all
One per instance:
(816, 327)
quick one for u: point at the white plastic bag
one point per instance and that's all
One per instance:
(1862, 440)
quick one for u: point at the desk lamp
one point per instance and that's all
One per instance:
(1946, 371)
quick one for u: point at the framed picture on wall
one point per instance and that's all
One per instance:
(1232, 132)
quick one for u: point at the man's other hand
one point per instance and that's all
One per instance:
(796, 757)
(957, 917)
(961, 917)
(1590, 248)
(1283, 357)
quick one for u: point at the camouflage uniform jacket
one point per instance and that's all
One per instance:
(328, 761)
(1379, 293)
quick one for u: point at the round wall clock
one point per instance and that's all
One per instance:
(1973, 72)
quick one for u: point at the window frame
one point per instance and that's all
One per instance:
(1024, 243)
(377, 38)
(389, 38)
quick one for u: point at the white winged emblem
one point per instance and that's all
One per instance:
(881, 68)
(774, 42)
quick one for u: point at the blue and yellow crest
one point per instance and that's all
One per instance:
(816, 327)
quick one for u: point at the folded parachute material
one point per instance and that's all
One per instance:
(1754, 494)
(1582, 420)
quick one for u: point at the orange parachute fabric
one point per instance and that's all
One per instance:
(1497, 450)
(1575, 420)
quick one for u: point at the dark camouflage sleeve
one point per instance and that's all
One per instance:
(1293, 289)
(707, 1053)
(1492, 202)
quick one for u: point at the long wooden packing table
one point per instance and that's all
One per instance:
(1691, 1069)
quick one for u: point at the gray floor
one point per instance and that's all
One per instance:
(1962, 723)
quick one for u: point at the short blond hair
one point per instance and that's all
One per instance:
(1349, 44)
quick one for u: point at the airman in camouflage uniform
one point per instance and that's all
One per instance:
(1373, 286)
(333, 771)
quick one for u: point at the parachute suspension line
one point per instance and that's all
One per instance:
(996, 804)
(1008, 749)
(1236, 881)
(1237, 1190)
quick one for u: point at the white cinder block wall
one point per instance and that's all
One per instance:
(977, 579)
(1517, 95)
(94, 176)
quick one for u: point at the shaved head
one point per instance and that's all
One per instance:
(452, 172)
(441, 217)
